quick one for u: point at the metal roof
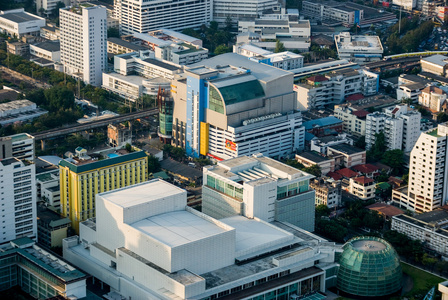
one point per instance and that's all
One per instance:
(327, 121)
(20, 17)
(49, 46)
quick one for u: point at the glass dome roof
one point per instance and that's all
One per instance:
(369, 267)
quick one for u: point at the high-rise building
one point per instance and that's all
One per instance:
(18, 199)
(258, 187)
(19, 145)
(82, 177)
(400, 125)
(428, 171)
(242, 10)
(228, 106)
(146, 243)
(143, 16)
(84, 42)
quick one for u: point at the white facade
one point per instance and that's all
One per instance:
(132, 87)
(258, 187)
(18, 200)
(52, 53)
(433, 234)
(239, 10)
(147, 244)
(358, 48)
(406, 4)
(319, 91)
(83, 42)
(143, 16)
(400, 125)
(49, 5)
(269, 28)
(17, 22)
(362, 187)
(433, 98)
(352, 123)
(427, 172)
(144, 64)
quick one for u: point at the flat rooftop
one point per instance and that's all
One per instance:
(20, 17)
(49, 46)
(437, 59)
(254, 234)
(178, 228)
(128, 45)
(260, 71)
(161, 64)
(141, 193)
(312, 156)
(347, 149)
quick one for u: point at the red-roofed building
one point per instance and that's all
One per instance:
(362, 187)
(368, 170)
(347, 173)
(313, 80)
(354, 97)
(360, 113)
(335, 175)
(386, 210)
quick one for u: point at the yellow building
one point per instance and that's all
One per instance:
(82, 179)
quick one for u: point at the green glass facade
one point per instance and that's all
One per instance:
(369, 267)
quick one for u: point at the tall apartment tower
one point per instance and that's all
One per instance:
(82, 177)
(143, 16)
(18, 199)
(400, 125)
(428, 172)
(84, 42)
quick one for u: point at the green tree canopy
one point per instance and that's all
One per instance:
(279, 47)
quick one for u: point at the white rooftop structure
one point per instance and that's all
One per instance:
(358, 48)
(177, 228)
(145, 243)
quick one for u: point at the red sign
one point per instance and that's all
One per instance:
(230, 145)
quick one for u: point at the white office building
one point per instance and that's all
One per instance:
(143, 16)
(49, 5)
(428, 170)
(358, 48)
(400, 125)
(84, 42)
(258, 187)
(242, 10)
(19, 145)
(319, 91)
(405, 4)
(18, 22)
(18, 199)
(146, 243)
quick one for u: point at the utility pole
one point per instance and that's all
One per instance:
(399, 22)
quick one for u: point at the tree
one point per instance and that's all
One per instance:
(394, 159)
(128, 147)
(442, 117)
(378, 148)
(178, 153)
(279, 47)
(221, 49)
(153, 164)
(229, 24)
(322, 211)
(361, 142)
(113, 32)
(295, 164)
(313, 170)
(55, 11)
